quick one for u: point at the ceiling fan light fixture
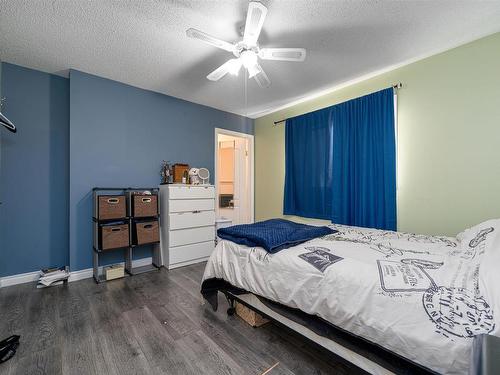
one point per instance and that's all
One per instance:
(253, 70)
(247, 52)
(248, 58)
(235, 67)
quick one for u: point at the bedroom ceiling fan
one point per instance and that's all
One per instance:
(247, 51)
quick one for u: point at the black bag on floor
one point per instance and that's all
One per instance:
(8, 347)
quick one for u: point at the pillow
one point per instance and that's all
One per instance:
(475, 235)
(489, 275)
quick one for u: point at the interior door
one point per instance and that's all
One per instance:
(225, 178)
(241, 190)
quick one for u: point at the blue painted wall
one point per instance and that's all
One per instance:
(34, 174)
(118, 137)
(77, 133)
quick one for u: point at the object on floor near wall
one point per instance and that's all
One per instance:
(115, 271)
(53, 277)
(178, 172)
(8, 347)
(188, 225)
(118, 228)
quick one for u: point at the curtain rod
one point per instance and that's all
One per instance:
(395, 87)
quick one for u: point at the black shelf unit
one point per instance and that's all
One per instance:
(128, 250)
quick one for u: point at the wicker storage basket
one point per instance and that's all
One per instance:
(114, 236)
(147, 232)
(249, 316)
(145, 205)
(111, 207)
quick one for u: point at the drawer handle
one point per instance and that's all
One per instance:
(146, 200)
(148, 226)
(113, 200)
(196, 212)
(116, 229)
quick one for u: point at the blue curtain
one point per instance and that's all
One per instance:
(351, 148)
(364, 161)
(308, 165)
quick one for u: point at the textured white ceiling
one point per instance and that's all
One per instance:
(143, 43)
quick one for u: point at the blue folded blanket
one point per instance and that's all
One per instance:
(273, 235)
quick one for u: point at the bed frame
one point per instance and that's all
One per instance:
(366, 356)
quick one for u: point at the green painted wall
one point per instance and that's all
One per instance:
(449, 140)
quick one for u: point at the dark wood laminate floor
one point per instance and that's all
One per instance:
(153, 323)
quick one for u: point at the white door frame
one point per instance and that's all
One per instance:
(251, 155)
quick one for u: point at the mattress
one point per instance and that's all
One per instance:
(422, 297)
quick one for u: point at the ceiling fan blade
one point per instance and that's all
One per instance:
(230, 66)
(262, 78)
(283, 54)
(204, 37)
(255, 19)
(6, 122)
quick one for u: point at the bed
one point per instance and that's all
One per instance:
(421, 297)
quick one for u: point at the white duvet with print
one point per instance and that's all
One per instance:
(422, 297)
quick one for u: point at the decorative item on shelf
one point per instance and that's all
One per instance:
(166, 173)
(185, 177)
(193, 176)
(204, 175)
(178, 172)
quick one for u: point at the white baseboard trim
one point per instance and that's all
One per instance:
(30, 277)
(81, 274)
(19, 279)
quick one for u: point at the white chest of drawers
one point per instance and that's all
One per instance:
(188, 224)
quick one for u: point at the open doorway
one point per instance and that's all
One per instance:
(234, 176)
